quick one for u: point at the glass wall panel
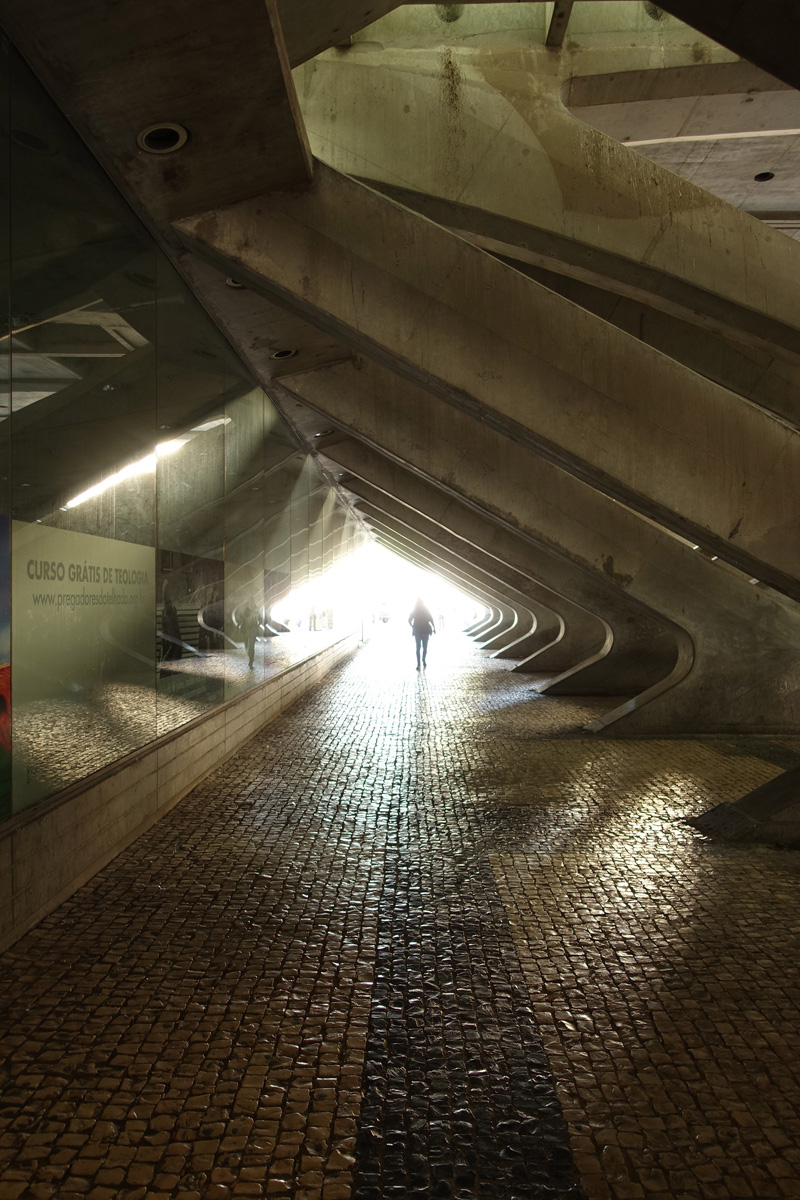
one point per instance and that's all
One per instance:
(299, 569)
(245, 539)
(197, 374)
(81, 435)
(283, 477)
(165, 530)
(5, 410)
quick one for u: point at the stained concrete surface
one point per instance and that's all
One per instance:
(420, 937)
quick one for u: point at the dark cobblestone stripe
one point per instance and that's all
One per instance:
(458, 1098)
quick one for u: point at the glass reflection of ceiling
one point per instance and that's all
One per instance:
(61, 351)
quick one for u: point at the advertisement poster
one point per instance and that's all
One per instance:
(83, 611)
(83, 639)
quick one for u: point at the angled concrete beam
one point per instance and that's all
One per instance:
(539, 627)
(495, 622)
(487, 622)
(771, 381)
(504, 633)
(507, 165)
(312, 26)
(523, 628)
(542, 635)
(499, 347)
(706, 316)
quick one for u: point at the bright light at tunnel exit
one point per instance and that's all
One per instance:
(375, 586)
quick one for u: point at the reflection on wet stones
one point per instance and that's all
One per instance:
(60, 741)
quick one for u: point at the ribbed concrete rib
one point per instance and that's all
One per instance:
(615, 636)
(462, 575)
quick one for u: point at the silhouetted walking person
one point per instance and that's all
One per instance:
(422, 627)
(248, 624)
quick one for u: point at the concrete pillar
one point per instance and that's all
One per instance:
(507, 623)
(488, 622)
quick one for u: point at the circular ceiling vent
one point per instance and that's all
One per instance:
(163, 138)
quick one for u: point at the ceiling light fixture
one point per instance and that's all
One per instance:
(284, 354)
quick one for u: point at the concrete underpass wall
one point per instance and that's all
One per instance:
(48, 853)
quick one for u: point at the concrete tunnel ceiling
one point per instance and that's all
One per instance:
(613, 327)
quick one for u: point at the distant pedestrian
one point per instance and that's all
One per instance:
(422, 627)
(248, 624)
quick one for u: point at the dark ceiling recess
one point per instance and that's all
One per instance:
(764, 176)
(764, 34)
(162, 139)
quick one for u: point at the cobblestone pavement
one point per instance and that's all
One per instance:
(62, 741)
(422, 937)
